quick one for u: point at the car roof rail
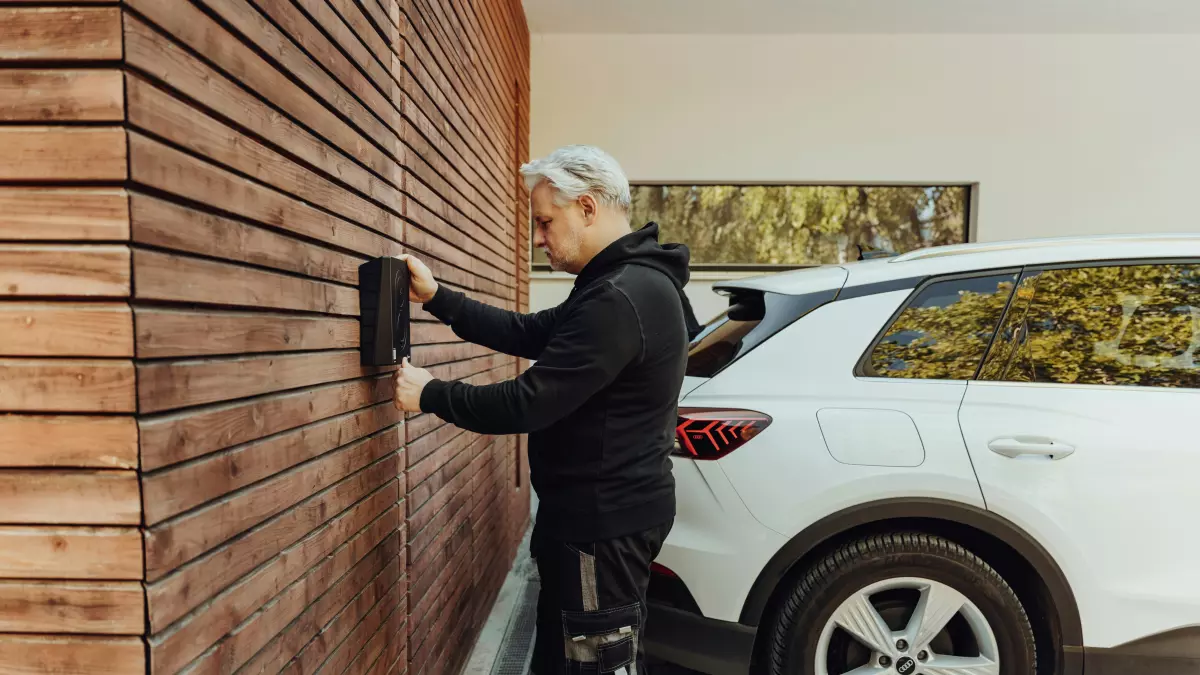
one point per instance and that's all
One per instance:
(870, 252)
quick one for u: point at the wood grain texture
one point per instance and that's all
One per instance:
(61, 95)
(176, 594)
(69, 497)
(163, 224)
(174, 490)
(185, 537)
(174, 438)
(71, 655)
(164, 168)
(29, 552)
(163, 333)
(66, 329)
(68, 441)
(157, 112)
(163, 386)
(88, 607)
(162, 276)
(64, 270)
(66, 385)
(332, 615)
(302, 572)
(62, 153)
(71, 214)
(60, 33)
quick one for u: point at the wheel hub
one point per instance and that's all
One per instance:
(907, 626)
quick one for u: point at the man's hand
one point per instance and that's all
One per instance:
(421, 286)
(409, 382)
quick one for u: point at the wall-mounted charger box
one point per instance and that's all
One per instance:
(383, 309)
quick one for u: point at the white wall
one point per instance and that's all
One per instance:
(1064, 134)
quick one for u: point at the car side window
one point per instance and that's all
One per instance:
(1132, 325)
(944, 331)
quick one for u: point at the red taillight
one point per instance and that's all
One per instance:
(712, 434)
(656, 568)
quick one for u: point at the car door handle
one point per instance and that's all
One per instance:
(1017, 446)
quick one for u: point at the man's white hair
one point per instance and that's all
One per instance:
(577, 170)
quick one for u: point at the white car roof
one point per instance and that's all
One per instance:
(971, 257)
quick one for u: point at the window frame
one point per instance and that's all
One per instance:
(860, 366)
(1032, 270)
(970, 213)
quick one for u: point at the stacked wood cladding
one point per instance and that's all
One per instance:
(196, 474)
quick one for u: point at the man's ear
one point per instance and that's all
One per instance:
(587, 203)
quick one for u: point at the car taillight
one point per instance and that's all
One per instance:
(711, 434)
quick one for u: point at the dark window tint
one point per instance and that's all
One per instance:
(1136, 325)
(752, 317)
(944, 332)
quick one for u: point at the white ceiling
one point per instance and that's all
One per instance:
(863, 16)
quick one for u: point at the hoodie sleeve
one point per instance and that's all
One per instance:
(599, 337)
(512, 333)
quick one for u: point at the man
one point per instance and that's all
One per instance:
(599, 405)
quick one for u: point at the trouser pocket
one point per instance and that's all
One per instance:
(602, 641)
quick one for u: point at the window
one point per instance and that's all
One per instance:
(944, 332)
(1135, 325)
(798, 225)
(752, 317)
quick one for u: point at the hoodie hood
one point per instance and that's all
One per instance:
(642, 248)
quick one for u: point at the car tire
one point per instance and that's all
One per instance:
(830, 594)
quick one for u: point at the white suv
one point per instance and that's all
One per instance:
(969, 460)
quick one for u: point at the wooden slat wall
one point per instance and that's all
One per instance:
(71, 598)
(196, 474)
(294, 521)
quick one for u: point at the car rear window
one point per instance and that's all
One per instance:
(752, 317)
(944, 332)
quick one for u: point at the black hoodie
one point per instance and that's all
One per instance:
(600, 401)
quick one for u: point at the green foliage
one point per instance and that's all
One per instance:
(943, 339)
(1135, 325)
(799, 225)
(1123, 325)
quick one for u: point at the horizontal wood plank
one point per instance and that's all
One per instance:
(71, 655)
(66, 385)
(181, 539)
(164, 386)
(331, 616)
(62, 153)
(66, 329)
(60, 33)
(174, 490)
(164, 168)
(163, 276)
(157, 112)
(89, 607)
(69, 497)
(61, 96)
(175, 438)
(73, 214)
(155, 54)
(173, 226)
(185, 588)
(64, 270)
(68, 441)
(165, 333)
(28, 552)
(302, 572)
(192, 584)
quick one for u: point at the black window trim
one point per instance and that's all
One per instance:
(860, 367)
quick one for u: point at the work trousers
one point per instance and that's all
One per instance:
(591, 611)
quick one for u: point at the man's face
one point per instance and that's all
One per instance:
(558, 229)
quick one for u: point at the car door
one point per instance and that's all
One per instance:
(1082, 428)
